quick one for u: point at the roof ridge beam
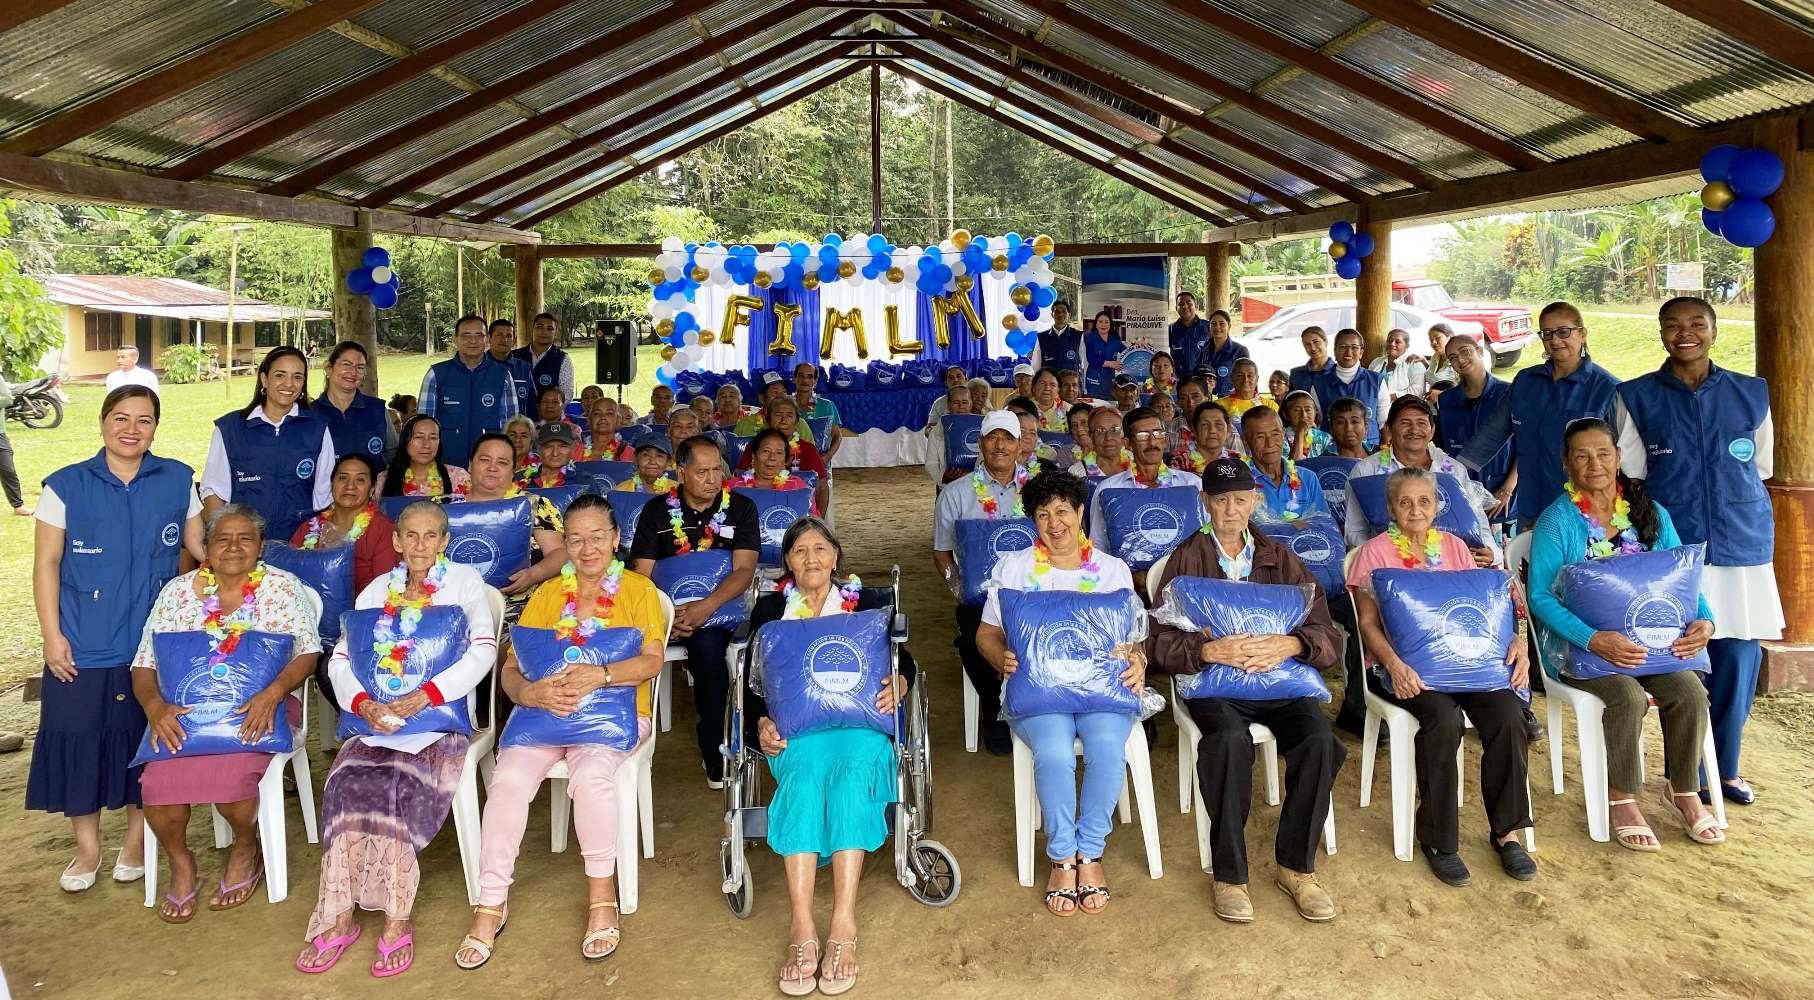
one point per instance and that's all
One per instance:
(20, 11)
(1779, 39)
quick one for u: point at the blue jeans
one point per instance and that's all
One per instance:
(1076, 822)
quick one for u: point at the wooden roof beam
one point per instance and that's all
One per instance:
(229, 54)
(714, 135)
(393, 74)
(406, 132)
(1779, 39)
(18, 12)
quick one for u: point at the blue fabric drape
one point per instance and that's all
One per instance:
(965, 346)
(806, 328)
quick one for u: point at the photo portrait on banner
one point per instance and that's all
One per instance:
(1133, 288)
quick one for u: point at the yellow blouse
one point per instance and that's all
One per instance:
(638, 607)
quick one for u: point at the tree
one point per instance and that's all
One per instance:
(30, 324)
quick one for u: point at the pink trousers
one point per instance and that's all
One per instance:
(591, 784)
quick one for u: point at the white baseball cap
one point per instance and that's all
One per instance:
(1022, 369)
(1000, 420)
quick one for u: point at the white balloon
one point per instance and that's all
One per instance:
(381, 275)
(678, 302)
(947, 247)
(671, 273)
(673, 243)
(691, 337)
(660, 309)
(777, 272)
(852, 251)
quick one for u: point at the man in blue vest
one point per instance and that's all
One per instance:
(502, 344)
(469, 394)
(548, 364)
(1349, 379)
(1061, 347)
(1461, 411)
(1700, 437)
(1544, 398)
(1186, 337)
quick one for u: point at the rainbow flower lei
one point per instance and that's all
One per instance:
(225, 629)
(430, 486)
(987, 500)
(395, 633)
(677, 520)
(1042, 567)
(1093, 470)
(532, 476)
(662, 484)
(1432, 548)
(1599, 543)
(1162, 478)
(361, 521)
(570, 627)
(848, 592)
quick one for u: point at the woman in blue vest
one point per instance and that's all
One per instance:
(110, 533)
(1349, 379)
(275, 456)
(1102, 348)
(357, 422)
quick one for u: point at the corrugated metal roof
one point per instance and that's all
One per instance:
(172, 297)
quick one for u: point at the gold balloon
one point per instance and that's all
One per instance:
(1717, 196)
(809, 282)
(1338, 250)
(706, 338)
(664, 328)
(965, 282)
(960, 238)
(700, 274)
(846, 268)
(657, 276)
(667, 353)
(999, 264)
(896, 275)
(891, 319)
(1042, 244)
(735, 316)
(1010, 322)
(1021, 296)
(783, 344)
(763, 280)
(946, 306)
(835, 321)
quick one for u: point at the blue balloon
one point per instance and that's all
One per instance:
(683, 322)
(359, 281)
(376, 257)
(828, 254)
(877, 243)
(1755, 173)
(1013, 239)
(981, 243)
(1045, 297)
(1341, 232)
(933, 254)
(1717, 162)
(1714, 221)
(828, 273)
(1361, 246)
(384, 296)
(1030, 312)
(1747, 222)
(800, 250)
(395, 281)
(662, 376)
(834, 239)
(884, 261)
(1348, 268)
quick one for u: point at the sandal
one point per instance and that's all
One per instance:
(1627, 836)
(178, 910)
(470, 943)
(381, 969)
(1698, 831)
(833, 987)
(324, 946)
(808, 981)
(609, 935)
(247, 887)
(1088, 892)
(1062, 895)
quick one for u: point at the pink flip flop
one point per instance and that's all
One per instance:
(248, 886)
(178, 904)
(384, 955)
(324, 946)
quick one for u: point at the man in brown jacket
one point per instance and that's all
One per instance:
(1230, 549)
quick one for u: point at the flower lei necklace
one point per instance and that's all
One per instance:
(1388, 462)
(430, 486)
(361, 520)
(225, 629)
(570, 627)
(1200, 461)
(605, 451)
(676, 519)
(848, 593)
(395, 634)
(1295, 483)
(662, 484)
(1432, 548)
(1599, 543)
(986, 499)
(1042, 567)
(1162, 478)
(1090, 468)
(1151, 385)
(532, 476)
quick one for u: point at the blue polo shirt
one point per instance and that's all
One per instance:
(1281, 499)
(1532, 416)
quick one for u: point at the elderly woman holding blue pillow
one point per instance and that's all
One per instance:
(1077, 824)
(832, 786)
(1602, 513)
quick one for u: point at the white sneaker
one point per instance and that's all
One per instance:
(74, 881)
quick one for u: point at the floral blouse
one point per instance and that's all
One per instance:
(283, 609)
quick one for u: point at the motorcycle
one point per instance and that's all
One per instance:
(38, 403)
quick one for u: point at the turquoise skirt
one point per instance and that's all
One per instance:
(831, 788)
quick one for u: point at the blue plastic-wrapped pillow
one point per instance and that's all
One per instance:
(1453, 513)
(821, 428)
(776, 511)
(392, 507)
(328, 572)
(564, 494)
(1219, 608)
(1317, 542)
(825, 672)
(634, 434)
(1144, 524)
(963, 439)
(883, 375)
(1332, 475)
(1648, 597)
(695, 575)
(611, 473)
(438, 644)
(212, 692)
(1452, 627)
(1064, 642)
(626, 507)
(491, 536)
(980, 545)
(846, 379)
(733, 445)
(605, 717)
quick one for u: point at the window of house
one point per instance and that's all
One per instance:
(101, 331)
(267, 334)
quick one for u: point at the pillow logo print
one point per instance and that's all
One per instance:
(1068, 654)
(972, 439)
(1155, 528)
(1332, 480)
(477, 551)
(692, 588)
(1011, 538)
(835, 664)
(1257, 622)
(775, 522)
(209, 692)
(1655, 621)
(1312, 546)
(1467, 629)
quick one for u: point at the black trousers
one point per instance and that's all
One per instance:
(982, 676)
(711, 686)
(9, 476)
(1499, 719)
(1312, 756)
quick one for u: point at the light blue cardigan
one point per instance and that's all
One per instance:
(1560, 539)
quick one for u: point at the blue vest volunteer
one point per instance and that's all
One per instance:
(1458, 418)
(1541, 408)
(121, 544)
(1221, 361)
(521, 377)
(1062, 349)
(273, 468)
(359, 429)
(1184, 341)
(1303, 378)
(467, 403)
(543, 373)
(1701, 460)
(1365, 387)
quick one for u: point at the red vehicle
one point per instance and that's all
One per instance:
(1508, 328)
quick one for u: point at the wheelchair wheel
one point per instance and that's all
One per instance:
(938, 879)
(919, 767)
(743, 900)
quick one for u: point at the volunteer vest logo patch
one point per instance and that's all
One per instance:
(375, 445)
(1743, 449)
(488, 400)
(172, 534)
(305, 468)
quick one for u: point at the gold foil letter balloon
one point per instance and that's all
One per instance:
(736, 316)
(891, 319)
(835, 321)
(784, 328)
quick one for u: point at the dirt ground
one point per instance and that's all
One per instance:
(1599, 921)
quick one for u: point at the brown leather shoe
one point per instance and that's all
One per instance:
(1312, 899)
(1232, 903)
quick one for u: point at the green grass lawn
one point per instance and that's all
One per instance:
(188, 415)
(1629, 346)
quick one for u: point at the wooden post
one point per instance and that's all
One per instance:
(1215, 280)
(1373, 291)
(1785, 359)
(354, 316)
(875, 147)
(528, 285)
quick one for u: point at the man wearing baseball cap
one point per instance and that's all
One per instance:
(1232, 550)
(990, 492)
(554, 444)
(773, 387)
(1023, 379)
(1127, 392)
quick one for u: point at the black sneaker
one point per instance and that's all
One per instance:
(1447, 866)
(1516, 861)
(1533, 730)
(997, 740)
(714, 777)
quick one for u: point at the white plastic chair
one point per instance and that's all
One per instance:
(1140, 775)
(1590, 734)
(637, 770)
(272, 840)
(478, 754)
(972, 708)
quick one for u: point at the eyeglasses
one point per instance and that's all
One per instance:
(1557, 332)
(1142, 437)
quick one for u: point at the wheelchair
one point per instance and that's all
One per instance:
(925, 867)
